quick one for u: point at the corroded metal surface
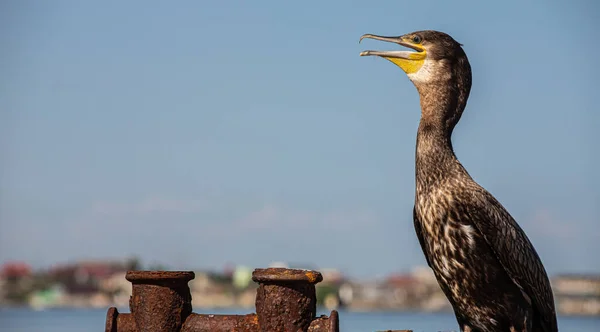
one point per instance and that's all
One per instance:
(213, 323)
(286, 299)
(161, 302)
(117, 322)
(279, 275)
(326, 324)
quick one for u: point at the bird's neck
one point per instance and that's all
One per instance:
(441, 107)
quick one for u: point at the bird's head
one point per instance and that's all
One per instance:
(439, 69)
(435, 57)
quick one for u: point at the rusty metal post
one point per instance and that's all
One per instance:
(285, 299)
(160, 302)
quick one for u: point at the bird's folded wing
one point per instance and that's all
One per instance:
(516, 254)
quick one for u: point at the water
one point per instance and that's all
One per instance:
(88, 320)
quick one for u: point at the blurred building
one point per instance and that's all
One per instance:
(16, 279)
(577, 294)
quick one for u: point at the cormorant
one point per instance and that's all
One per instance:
(483, 261)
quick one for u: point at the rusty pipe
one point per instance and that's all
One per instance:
(213, 323)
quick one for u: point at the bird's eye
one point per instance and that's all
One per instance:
(416, 39)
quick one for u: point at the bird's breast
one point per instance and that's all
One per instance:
(449, 237)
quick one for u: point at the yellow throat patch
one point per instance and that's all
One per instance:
(411, 65)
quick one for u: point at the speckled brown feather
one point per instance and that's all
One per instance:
(482, 259)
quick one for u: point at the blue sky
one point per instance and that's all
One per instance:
(207, 133)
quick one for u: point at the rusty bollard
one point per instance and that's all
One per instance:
(161, 302)
(285, 299)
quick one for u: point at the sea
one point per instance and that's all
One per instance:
(92, 320)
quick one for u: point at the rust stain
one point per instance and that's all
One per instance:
(312, 277)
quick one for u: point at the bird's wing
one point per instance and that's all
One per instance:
(516, 254)
(420, 235)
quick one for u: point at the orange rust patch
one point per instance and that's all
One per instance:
(312, 277)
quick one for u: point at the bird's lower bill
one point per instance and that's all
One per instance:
(409, 62)
(408, 65)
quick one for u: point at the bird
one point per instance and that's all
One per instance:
(482, 259)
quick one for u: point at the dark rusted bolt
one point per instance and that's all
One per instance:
(286, 299)
(117, 322)
(326, 324)
(160, 300)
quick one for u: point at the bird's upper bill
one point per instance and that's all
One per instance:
(409, 61)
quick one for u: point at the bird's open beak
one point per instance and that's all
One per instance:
(409, 61)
